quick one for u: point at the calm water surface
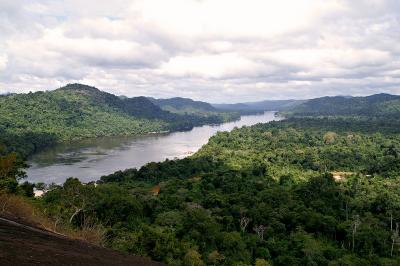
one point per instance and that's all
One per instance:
(89, 159)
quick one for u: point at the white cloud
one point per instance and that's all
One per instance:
(211, 66)
(215, 50)
(233, 19)
(3, 62)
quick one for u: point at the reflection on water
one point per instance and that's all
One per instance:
(91, 158)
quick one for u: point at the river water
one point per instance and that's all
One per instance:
(92, 158)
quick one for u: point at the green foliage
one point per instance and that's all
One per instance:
(30, 122)
(375, 105)
(11, 170)
(182, 105)
(12, 167)
(195, 109)
(279, 177)
(315, 190)
(302, 150)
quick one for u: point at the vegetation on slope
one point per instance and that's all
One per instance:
(262, 194)
(30, 236)
(318, 190)
(185, 106)
(374, 105)
(65, 114)
(29, 122)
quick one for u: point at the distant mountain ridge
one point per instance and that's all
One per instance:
(266, 105)
(373, 105)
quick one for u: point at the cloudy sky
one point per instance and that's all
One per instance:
(213, 50)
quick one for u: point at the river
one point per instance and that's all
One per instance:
(92, 158)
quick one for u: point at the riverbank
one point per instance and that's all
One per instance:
(91, 158)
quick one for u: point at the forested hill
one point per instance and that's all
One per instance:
(139, 107)
(31, 121)
(183, 105)
(374, 105)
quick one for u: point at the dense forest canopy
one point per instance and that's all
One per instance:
(31, 121)
(184, 105)
(372, 106)
(314, 189)
(295, 192)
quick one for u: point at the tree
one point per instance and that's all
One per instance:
(354, 225)
(395, 238)
(11, 170)
(262, 262)
(259, 229)
(77, 197)
(215, 257)
(244, 221)
(192, 258)
(330, 137)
